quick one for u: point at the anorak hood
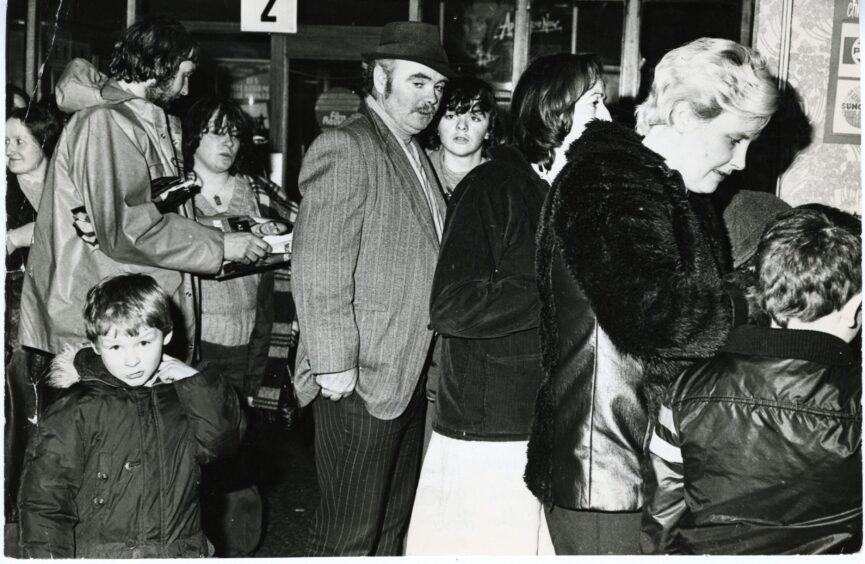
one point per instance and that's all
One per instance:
(82, 86)
(63, 372)
(75, 365)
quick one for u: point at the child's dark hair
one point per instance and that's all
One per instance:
(462, 95)
(809, 264)
(152, 48)
(126, 301)
(229, 116)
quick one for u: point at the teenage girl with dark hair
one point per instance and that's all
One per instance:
(465, 129)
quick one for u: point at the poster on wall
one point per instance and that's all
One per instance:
(479, 36)
(248, 82)
(334, 106)
(844, 108)
(479, 39)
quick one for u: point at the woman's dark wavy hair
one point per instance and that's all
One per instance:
(229, 114)
(543, 102)
(42, 123)
(152, 48)
(460, 96)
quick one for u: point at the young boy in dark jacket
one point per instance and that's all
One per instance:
(758, 450)
(113, 470)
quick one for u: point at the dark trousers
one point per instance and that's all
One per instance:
(367, 471)
(232, 509)
(25, 402)
(593, 532)
(25, 374)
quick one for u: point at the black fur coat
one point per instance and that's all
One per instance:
(644, 258)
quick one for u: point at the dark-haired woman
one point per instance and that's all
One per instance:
(31, 135)
(217, 146)
(235, 313)
(471, 498)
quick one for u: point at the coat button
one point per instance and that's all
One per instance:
(128, 465)
(98, 501)
(102, 475)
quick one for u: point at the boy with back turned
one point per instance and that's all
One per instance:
(758, 450)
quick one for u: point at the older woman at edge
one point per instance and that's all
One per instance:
(630, 260)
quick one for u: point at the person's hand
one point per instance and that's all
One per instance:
(171, 370)
(244, 247)
(337, 385)
(83, 226)
(19, 237)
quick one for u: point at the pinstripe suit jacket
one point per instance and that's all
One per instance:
(364, 254)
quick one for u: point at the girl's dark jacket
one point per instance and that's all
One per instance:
(629, 266)
(113, 471)
(484, 302)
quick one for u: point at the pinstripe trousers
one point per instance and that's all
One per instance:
(367, 471)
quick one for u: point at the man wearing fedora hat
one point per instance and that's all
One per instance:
(365, 247)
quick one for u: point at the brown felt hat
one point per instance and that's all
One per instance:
(412, 41)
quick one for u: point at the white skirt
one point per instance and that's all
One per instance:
(471, 500)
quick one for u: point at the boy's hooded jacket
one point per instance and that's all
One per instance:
(629, 265)
(113, 471)
(110, 151)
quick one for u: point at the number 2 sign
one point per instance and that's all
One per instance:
(272, 16)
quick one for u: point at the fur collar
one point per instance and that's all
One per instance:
(63, 373)
(605, 143)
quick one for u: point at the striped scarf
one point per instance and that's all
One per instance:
(273, 203)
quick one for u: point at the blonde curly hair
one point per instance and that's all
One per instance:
(711, 76)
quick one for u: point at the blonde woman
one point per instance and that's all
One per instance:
(630, 261)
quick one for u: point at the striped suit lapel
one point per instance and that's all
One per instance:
(432, 178)
(407, 179)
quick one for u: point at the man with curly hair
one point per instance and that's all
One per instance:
(117, 146)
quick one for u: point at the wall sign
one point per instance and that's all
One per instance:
(844, 108)
(248, 81)
(270, 16)
(334, 106)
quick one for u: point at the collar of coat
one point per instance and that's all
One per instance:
(82, 86)
(812, 346)
(608, 140)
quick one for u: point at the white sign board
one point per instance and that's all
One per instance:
(270, 16)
